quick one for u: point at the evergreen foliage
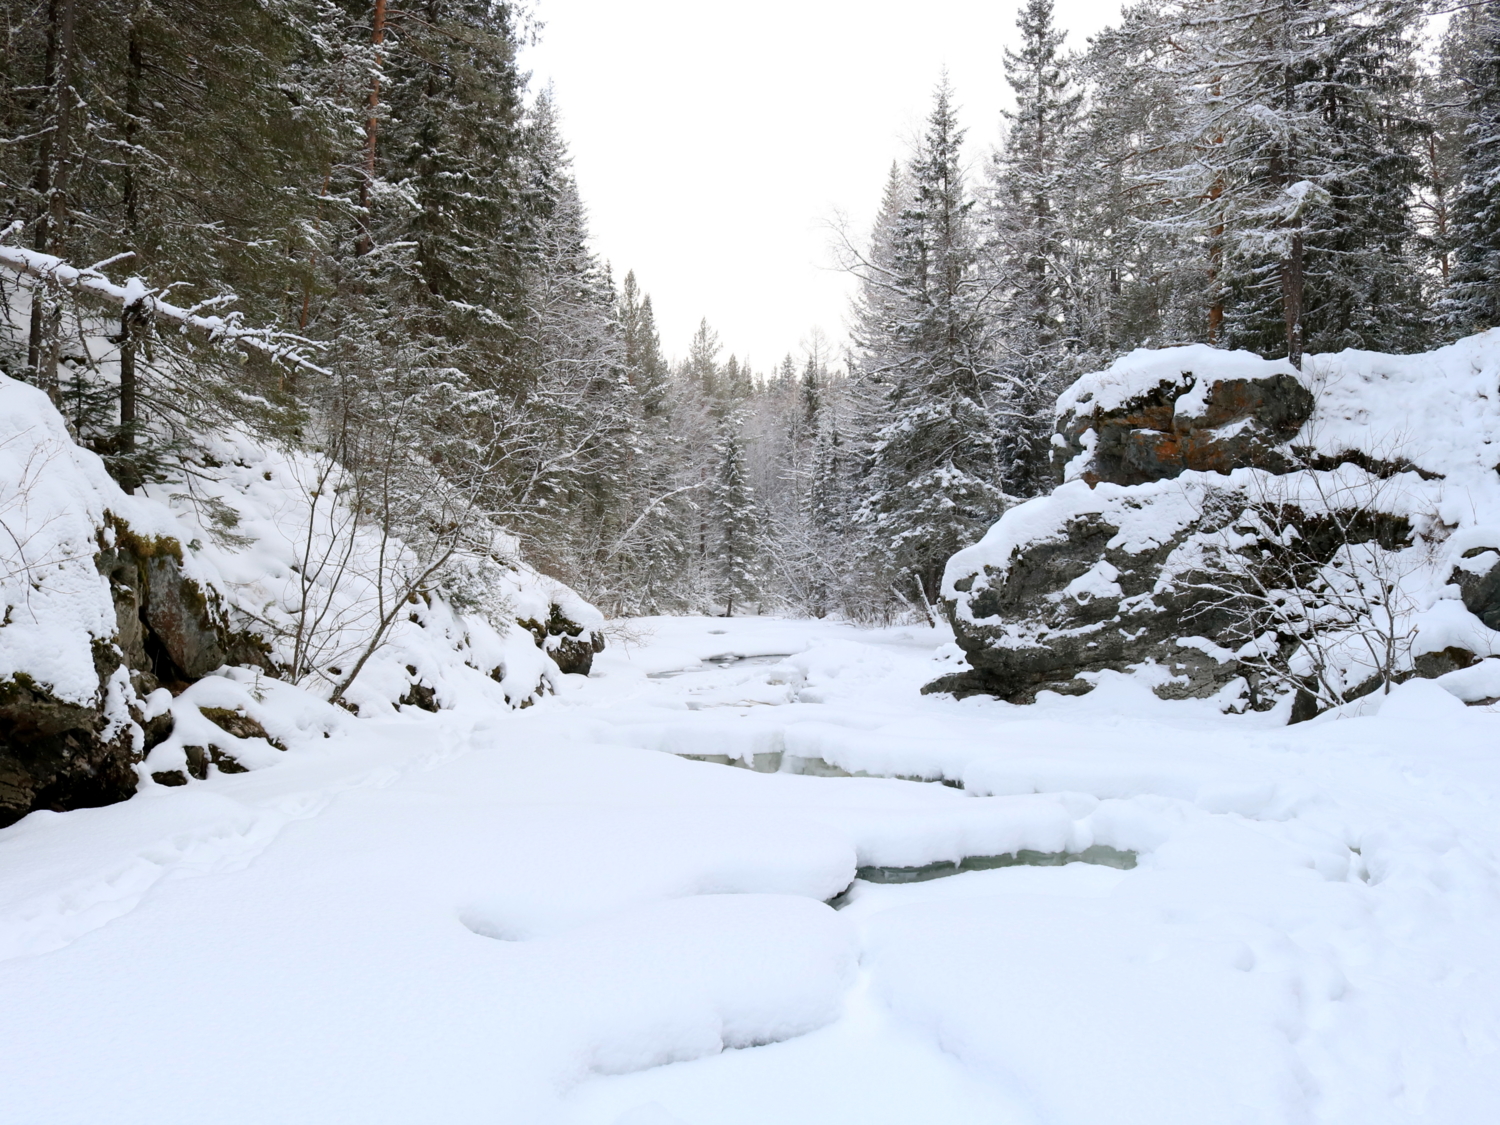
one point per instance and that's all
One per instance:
(1031, 253)
(1472, 300)
(932, 482)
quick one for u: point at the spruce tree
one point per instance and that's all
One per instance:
(1142, 282)
(644, 366)
(1471, 301)
(737, 546)
(934, 459)
(1297, 170)
(1033, 223)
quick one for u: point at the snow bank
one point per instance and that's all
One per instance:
(53, 499)
(261, 548)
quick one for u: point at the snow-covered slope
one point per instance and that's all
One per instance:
(242, 561)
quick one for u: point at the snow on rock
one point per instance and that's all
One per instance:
(249, 561)
(1154, 413)
(1114, 570)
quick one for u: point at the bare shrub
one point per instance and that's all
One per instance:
(1313, 571)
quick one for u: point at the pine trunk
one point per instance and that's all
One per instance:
(372, 128)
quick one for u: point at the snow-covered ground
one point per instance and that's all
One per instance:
(558, 915)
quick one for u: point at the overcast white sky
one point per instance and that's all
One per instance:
(714, 142)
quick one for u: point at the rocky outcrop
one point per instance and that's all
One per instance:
(1186, 420)
(1115, 580)
(216, 751)
(168, 631)
(1170, 458)
(1076, 602)
(1478, 578)
(60, 755)
(571, 644)
(167, 623)
(113, 604)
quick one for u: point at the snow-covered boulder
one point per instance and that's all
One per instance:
(1166, 452)
(111, 604)
(1154, 414)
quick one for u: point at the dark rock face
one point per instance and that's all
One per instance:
(1480, 587)
(1080, 602)
(419, 695)
(238, 724)
(1235, 423)
(59, 755)
(1118, 585)
(566, 641)
(168, 624)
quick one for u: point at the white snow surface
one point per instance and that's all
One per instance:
(557, 916)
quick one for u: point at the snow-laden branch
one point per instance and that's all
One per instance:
(46, 269)
(651, 507)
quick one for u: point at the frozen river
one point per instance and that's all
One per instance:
(613, 908)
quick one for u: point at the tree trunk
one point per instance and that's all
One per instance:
(59, 12)
(129, 318)
(1216, 267)
(372, 126)
(1292, 284)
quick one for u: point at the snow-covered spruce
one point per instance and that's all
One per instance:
(245, 563)
(1229, 526)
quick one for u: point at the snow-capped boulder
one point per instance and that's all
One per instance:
(1164, 454)
(1066, 586)
(1155, 414)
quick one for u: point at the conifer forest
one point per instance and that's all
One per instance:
(386, 214)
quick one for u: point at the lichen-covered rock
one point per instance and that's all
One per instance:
(167, 623)
(1130, 578)
(1196, 408)
(59, 753)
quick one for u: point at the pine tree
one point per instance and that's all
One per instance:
(1472, 299)
(1032, 224)
(934, 468)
